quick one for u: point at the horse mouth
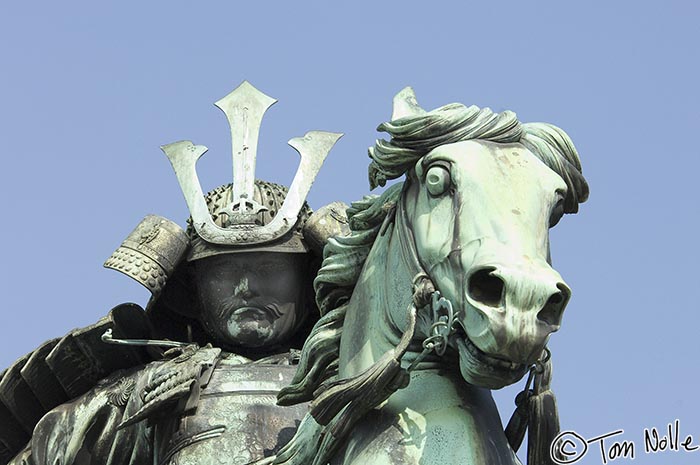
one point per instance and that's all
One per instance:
(482, 369)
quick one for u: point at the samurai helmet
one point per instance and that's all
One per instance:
(249, 214)
(265, 193)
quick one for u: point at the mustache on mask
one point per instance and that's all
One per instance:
(271, 305)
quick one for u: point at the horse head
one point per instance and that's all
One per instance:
(468, 228)
(478, 208)
(479, 213)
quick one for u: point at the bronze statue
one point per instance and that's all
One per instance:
(430, 294)
(231, 299)
(443, 291)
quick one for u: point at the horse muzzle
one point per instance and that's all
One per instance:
(507, 309)
(507, 297)
(510, 310)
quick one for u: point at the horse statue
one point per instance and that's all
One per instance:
(443, 291)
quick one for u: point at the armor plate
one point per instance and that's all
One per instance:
(236, 420)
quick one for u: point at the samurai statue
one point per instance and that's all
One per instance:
(193, 378)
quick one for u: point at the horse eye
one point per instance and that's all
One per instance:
(437, 180)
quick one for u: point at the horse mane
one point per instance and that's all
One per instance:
(343, 259)
(412, 137)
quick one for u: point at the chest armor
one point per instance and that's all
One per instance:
(236, 420)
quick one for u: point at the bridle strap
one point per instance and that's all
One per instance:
(536, 409)
(407, 242)
(424, 290)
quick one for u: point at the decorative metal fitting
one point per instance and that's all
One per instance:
(244, 108)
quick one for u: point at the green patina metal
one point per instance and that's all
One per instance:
(431, 294)
(471, 221)
(230, 302)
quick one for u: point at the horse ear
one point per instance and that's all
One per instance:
(405, 104)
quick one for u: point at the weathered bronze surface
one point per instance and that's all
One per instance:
(443, 290)
(194, 377)
(430, 294)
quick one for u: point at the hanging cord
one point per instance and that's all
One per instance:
(536, 412)
(517, 425)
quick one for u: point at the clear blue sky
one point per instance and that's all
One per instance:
(88, 92)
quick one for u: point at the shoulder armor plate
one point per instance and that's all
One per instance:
(62, 369)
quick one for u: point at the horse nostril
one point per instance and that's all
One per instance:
(485, 288)
(552, 311)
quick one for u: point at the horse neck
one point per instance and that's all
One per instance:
(375, 319)
(378, 310)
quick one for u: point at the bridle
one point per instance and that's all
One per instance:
(444, 318)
